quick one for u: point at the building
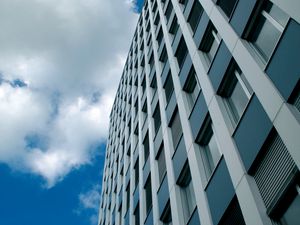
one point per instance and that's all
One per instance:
(205, 124)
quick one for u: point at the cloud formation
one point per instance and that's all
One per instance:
(61, 61)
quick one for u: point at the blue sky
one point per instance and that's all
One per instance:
(61, 61)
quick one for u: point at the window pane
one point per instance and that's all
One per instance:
(277, 14)
(227, 6)
(161, 164)
(169, 87)
(176, 130)
(265, 38)
(291, 216)
(195, 15)
(238, 100)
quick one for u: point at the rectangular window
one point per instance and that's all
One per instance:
(153, 85)
(144, 114)
(136, 172)
(169, 88)
(236, 92)
(227, 6)
(210, 152)
(195, 15)
(192, 88)
(210, 43)
(159, 36)
(176, 129)
(143, 86)
(174, 26)
(169, 10)
(166, 216)
(128, 196)
(181, 52)
(161, 163)
(137, 214)
(267, 29)
(156, 118)
(187, 193)
(148, 195)
(151, 61)
(146, 147)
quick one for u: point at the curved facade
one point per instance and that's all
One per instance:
(205, 124)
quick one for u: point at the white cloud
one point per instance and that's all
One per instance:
(89, 201)
(70, 53)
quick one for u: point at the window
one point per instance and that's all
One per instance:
(210, 42)
(137, 214)
(227, 6)
(187, 193)
(181, 52)
(151, 61)
(169, 11)
(143, 86)
(166, 216)
(161, 163)
(146, 147)
(176, 129)
(210, 152)
(236, 92)
(233, 214)
(128, 196)
(148, 195)
(144, 114)
(136, 172)
(168, 86)
(136, 108)
(267, 29)
(159, 36)
(192, 88)
(156, 118)
(174, 26)
(195, 15)
(164, 56)
(291, 213)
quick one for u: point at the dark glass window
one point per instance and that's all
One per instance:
(176, 129)
(169, 10)
(161, 163)
(195, 15)
(146, 147)
(227, 6)
(192, 88)
(156, 118)
(181, 52)
(148, 194)
(169, 88)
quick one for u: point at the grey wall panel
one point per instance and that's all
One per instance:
(171, 107)
(198, 115)
(252, 131)
(163, 195)
(219, 191)
(219, 66)
(241, 15)
(179, 158)
(284, 69)
(201, 29)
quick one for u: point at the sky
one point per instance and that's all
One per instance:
(60, 64)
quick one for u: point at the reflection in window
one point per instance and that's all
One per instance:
(267, 29)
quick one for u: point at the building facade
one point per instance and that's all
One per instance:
(205, 126)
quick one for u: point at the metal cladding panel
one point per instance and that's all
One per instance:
(241, 15)
(284, 69)
(184, 72)
(275, 172)
(202, 25)
(163, 195)
(198, 115)
(179, 158)
(194, 220)
(171, 107)
(219, 66)
(252, 132)
(219, 191)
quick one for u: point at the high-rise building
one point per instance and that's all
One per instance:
(205, 126)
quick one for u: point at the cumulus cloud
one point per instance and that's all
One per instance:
(61, 61)
(89, 201)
